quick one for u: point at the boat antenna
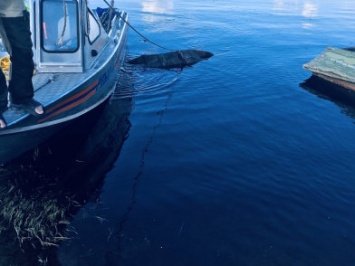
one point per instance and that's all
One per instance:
(140, 34)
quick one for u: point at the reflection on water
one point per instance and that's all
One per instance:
(154, 6)
(307, 9)
(343, 98)
(42, 191)
(310, 10)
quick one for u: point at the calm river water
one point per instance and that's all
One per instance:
(234, 161)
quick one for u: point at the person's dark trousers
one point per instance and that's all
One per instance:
(19, 36)
(3, 92)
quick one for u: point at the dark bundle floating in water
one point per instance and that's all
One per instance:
(176, 59)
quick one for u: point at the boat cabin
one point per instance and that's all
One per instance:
(67, 35)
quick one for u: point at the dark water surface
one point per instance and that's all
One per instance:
(234, 161)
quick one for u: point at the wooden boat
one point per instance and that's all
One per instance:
(336, 66)
(78, 52)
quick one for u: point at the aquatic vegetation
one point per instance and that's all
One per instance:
(35, 216)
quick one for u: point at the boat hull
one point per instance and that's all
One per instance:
(66, 97)
(13, 145)
(336, 66)
(339, 82)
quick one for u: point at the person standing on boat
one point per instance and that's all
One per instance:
(16, 36)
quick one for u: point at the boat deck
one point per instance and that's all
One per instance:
(49, 88)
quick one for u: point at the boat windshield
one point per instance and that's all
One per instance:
(59, 29)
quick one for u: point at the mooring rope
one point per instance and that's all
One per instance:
(136, 31)
(144, 38)
(85, 14)
(60, 39)
(112, 5)
(114, 255)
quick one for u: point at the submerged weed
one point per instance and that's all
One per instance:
(35, 216)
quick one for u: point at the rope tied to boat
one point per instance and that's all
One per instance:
(135, 30)
(85, 22)
(60, 39)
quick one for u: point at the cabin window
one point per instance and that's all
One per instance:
(59, 31)
(93, 28)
